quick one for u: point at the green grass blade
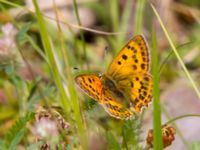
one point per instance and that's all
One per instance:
(112, 142)
(123, 27)
(23, 37)
(50, 57)
(81, 34)
(138, 16)
(10, 3)
(125, 21)
(157, 142)
(176, 52)
(114, 14)
(71, 86)
(64, 99)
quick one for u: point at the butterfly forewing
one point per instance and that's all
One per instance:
(132, 59)
(91, 85)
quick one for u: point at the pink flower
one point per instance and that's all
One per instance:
(46, 128)
(7, 43)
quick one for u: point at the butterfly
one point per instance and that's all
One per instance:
(126, 87)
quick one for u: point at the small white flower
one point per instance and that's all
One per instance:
(46, 127)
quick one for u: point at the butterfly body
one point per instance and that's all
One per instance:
(126, 87)
(111, 85)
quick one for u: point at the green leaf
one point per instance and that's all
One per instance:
(34, 146)
(17, 138)
(33, 90)
(34, 100)
(2, 145)
(15, 133)
(9, 69)
(131, 131)
(112, 142)
(21, 37)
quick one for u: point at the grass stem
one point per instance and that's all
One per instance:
(176, 53)
(157, 141)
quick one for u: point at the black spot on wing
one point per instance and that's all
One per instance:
(124, 57)
(143, 87)
(136, 78)
(134, 56)
(141, 97)
(146, 78)
(134, 67)
(134, 50)
(143, 53)
(89, 80)
(119, 63)
(144, 59)
(143, 66)
(135, 101)
(132, 84)
(136, 60)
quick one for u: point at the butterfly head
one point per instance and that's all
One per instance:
(108, 83)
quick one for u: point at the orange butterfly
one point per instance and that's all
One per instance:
(126, 87)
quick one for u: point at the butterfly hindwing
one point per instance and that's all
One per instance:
(115, 108)
(136, 89)
(140, 92)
